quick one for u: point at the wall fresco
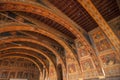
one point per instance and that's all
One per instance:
(109, 59)
(87, 64)
(52, 72)
(99, 39)
(12, 75)
(22, 69)
(86, 61)
(106, 52)
(102, 45)
(71, 68)
(81, 50)
(4, 74)
(97, 35)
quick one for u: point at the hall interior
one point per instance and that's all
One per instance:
(59, 39)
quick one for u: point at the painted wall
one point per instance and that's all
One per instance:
(105, 50)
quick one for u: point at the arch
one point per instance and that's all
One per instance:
(2, 57)
(46, 12)
(24, 58)
(26, 39)
(40, 10)
(40, 31)
(29, 48)
(25, 53)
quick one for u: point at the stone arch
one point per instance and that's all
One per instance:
(40, 31)
(44, 11)
(25, 53)
(28, 48)
(10, 39)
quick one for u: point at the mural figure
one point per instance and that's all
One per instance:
(97, 36)
(71, 68)
(23, 68)
(25, 75)
(82, 52)
(4, 74)
(79, 44)
(51, 71)
(87, 65)
(102, 45)
(12, 75)
(81, 49)
(19, 75)
(109, 59)
(70, 58)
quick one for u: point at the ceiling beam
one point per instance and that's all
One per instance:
(118, 2)
(57, 11)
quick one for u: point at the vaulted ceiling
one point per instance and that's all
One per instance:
(46, 29)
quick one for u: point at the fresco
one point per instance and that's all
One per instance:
(19, 74)
(81, 49)
(70, 58)
(109, 59)
(4, 75)
(12, 75)
(100, 40)
(79, 44)
(87, 64)
(71, 68)
(52, 72)
(102, 45)
(20, 71)
(82, 52)
(97, 36)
